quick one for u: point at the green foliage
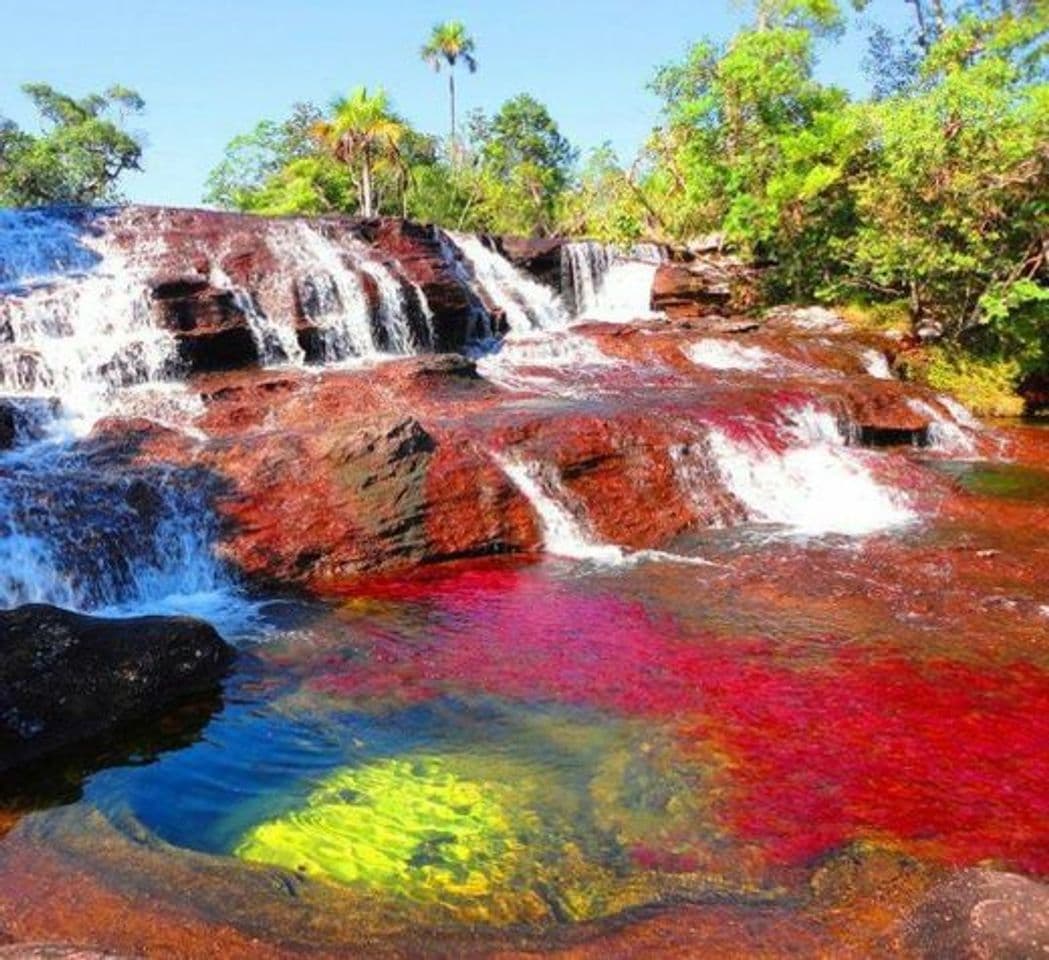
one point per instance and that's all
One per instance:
(523, 164)
(986, 385)
(934, 192)
(365, 134)
(80, 153)
(952, 215)
(605, 204)
(510, 178)
(252, 159)
(449, 43)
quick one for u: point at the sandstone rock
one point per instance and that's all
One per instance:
(54, 951)
(982, 915)
(706, 285)
(419, 255)
(211, 329)
(65, 677)
(540, 257)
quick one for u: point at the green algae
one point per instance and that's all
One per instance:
(409, 826)
(506, 836)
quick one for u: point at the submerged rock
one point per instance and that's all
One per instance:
(982, 915)
(66, 677)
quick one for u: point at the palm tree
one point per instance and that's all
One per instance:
(361, 131)
(449, 42)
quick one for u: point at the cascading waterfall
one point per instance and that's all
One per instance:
(609, 283)
(80, 535)
(77, 343)
(276, 342)
(816, 485)
(528, 304)
(948, 434)
(75, 322)
(334, 297)
(587, 264)
(563, 535)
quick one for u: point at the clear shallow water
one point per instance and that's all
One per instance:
(565, 740)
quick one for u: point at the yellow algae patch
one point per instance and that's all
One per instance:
(403, 826)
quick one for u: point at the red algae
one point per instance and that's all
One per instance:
(825, 741)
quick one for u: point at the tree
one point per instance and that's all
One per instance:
(952, 216)
(525, 163)
(362, 132)
(80, 153)
(756, 148)
(449, 42)
(252, 159)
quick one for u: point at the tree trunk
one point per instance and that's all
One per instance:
(923, 32)
(366, 185)
(451, 99)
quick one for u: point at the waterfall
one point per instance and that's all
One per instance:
(81, 534)
(586, 264)
(276, 342)
(611, 284)
(876, 365)
(946, 433)
(334, 297)
(528, 304)
(562, 534)
(75, 317)
(816, 485)
(78, 342)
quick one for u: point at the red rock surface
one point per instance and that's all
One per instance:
(327, 476)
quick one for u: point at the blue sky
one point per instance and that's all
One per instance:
(209, 69)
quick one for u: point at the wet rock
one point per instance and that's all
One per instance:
(417, 251)
(54, 951)
(982, 915)
(211, 328)
(540, 257)
(708, 285)
(8, 425)
(25, 419)
(65, 677)
(339, 485)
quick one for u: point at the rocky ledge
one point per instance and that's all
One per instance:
(65, 677)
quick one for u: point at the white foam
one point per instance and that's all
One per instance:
(876, 365)
(528, 304)
(728, 355)
(816, 486)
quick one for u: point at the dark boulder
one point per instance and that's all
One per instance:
(8, 425)
(210, 326)
(65, 677)
(25, 419)
(539, 257)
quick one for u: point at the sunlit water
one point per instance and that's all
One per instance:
(564, 740)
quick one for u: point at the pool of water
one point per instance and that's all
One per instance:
(563, 741)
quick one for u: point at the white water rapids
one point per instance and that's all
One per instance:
(80, 341)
